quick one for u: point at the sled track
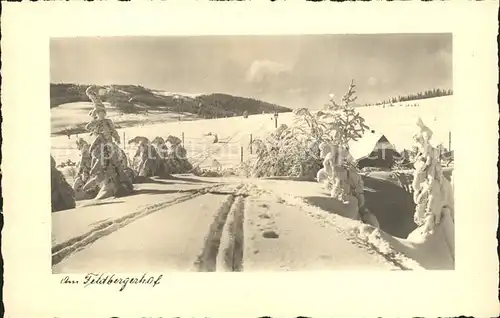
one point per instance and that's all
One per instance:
(232, 256)
(64, 250)
(223, 247)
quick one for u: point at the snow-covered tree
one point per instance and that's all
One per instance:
(294, 150)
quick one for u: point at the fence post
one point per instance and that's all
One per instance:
(251, 141)
(182, 139)
(449, 141)
(241, 154)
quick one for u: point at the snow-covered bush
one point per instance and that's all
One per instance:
(294, 151)
(242, 170)
(405, 161)
(146, 161)
(433, 193)
(62, 195)
(67, 163)
(285, 154)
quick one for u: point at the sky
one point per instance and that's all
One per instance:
(292, 71)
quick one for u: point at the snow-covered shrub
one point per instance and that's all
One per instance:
(405, 161)
(294, 151)
(71, 172)
(173, 154)
(433, 193)
(147, 160)
(67, 163)
(62, 194)
(283, 153)
(242, 170)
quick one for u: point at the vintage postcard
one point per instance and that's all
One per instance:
(255, 166)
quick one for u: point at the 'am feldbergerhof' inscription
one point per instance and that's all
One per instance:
(112, 279)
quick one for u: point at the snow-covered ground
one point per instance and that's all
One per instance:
(397, 123)
(238, 224)
(246, 224)
(67, 116)
(232, 132)
(233, 224)
(180, 94)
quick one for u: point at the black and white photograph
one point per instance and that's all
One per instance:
(252, 153)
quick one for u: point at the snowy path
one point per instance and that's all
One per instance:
(89, 214)
(169, 239)
(283, 237)
(234, 227)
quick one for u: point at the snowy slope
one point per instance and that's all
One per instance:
(396, 123)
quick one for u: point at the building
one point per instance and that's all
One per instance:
(374, 150)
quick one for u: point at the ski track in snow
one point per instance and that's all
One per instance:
(67, 248)
(177, 235)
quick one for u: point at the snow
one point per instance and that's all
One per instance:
(181, 95)
(168, 240)
(284, 238)
(312, 231)
(433, 253)
(396, 123)
(284, 227)
(71, 114)
(199, 234)
(88, 215)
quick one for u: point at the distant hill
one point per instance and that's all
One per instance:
(133, 99)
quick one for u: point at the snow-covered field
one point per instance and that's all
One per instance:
(397, 123)
(233, 224)
(69, 115)
(189, 95)
(245, 224)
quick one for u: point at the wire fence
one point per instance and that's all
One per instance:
(198, 148)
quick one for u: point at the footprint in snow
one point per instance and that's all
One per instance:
(270, 234)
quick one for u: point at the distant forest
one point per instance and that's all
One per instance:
(133, 99)
(431, 93)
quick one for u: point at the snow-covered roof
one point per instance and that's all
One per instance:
(368, 143)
